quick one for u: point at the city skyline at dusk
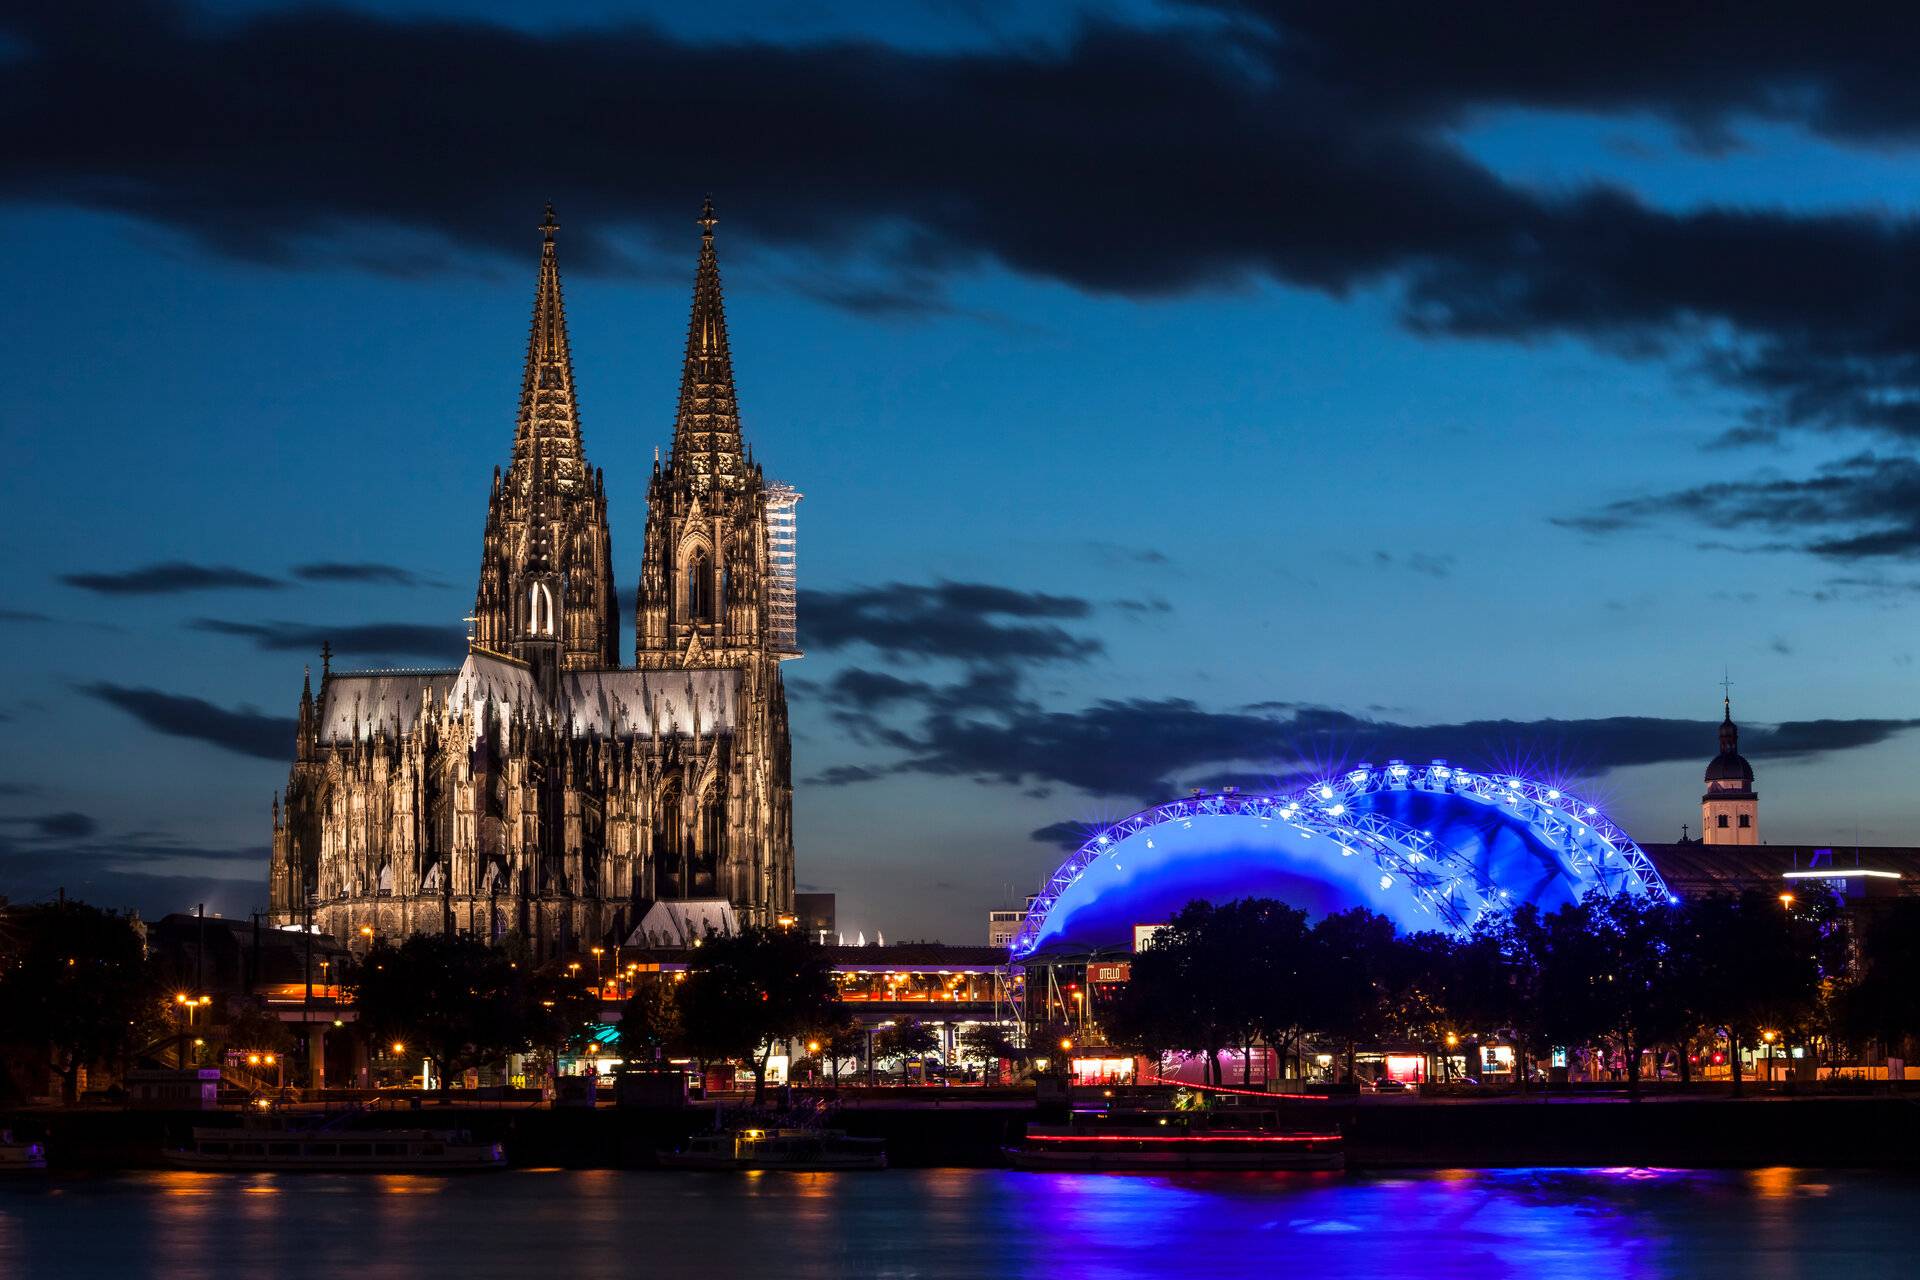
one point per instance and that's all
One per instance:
(1201, 395)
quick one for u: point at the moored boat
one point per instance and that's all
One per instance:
(293, 1149)
(798, 1150)
(20, 1157)
(1148, 1142)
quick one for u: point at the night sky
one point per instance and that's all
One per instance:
(1183, 395)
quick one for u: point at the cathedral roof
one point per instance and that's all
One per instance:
(355, 705)
(621, 703)
(706, 427)
(610, 703)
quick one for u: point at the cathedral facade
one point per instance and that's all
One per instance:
(540, 787)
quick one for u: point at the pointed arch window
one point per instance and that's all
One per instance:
(540, 610)
(713, 844)
(700, 594)
(669, 845)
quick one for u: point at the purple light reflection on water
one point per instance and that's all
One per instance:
(1542, 1224)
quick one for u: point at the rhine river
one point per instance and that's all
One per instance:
(1542, 1224)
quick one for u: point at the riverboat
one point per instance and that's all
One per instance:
(798, 1150)
(292, 1149)
(20, 1157)
(1151, 1142)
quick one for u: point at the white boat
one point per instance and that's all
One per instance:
(1125, 1141)
(798, 1150)
(20, 1157)
(338, 1150)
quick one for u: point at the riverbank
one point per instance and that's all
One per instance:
(1849, 1132)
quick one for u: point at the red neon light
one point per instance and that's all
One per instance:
(1155, 1137)
(1248, 1093)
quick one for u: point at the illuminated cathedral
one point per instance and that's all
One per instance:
(540, 787)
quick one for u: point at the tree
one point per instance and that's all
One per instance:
(1760, 964)
(1883, 1001)
(77, 987)
(1352, 966)
(905, 1038)
(1517, 998)
(1265, 958)
(1610, 974)
(746, 992)
(650, 1025)
(848, 1039)
(464, 1002)
(988, 1044)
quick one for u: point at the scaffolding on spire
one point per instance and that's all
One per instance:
(783, 579)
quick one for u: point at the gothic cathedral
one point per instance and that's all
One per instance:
(540, 787)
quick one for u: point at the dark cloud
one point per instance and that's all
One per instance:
(1316, 137)
(368, 638)
(869, 690)
(1863, 507)
(1151, 749)
(842, 775)
(23, 615)
(245, 731)
(364, 572)
(962, 621)
(1065, 836)
(1151, 604)
(171, 577)
(37, 876)
(64, 826)
(1703, 67)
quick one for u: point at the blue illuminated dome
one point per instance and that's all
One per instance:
(1428, 846)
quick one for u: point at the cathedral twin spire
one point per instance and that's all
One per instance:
(706, 428)
(546, 593)
(547, 533)
(549, 422)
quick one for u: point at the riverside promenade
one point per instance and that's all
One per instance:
(951, 1129)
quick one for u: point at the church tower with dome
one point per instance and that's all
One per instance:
(1730, 809)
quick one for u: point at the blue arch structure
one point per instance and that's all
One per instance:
(1429, 846)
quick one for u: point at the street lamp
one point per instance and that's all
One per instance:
(1769, 1037)
(191, 1004)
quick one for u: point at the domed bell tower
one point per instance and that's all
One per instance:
(1730, 809)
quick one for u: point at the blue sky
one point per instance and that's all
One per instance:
(1260, 474)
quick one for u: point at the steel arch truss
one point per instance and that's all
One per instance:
(1445, 882)
(1596, 851)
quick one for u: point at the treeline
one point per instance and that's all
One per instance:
(1616, 975)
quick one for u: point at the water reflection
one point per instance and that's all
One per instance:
(1543, 1224)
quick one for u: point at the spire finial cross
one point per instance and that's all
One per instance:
(1726, 692)
(706, 220)
(549, 224)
